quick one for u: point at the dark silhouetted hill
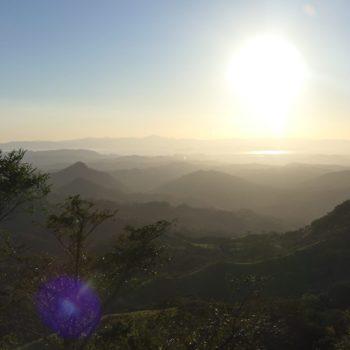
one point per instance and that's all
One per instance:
(80, 170)
(337, 222)
(309, 260)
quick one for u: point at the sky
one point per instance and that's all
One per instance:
(108, 68)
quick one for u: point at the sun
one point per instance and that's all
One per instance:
(268, 73)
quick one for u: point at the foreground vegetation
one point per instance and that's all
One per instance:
(161, 290)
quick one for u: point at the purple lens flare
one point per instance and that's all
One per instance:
(69, 307)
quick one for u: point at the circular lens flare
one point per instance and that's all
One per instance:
(69, 307)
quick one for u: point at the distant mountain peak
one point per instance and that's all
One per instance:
(78, 166)
(80, 170)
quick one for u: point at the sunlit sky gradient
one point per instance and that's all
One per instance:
(79, 68)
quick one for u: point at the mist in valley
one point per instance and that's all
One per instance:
(174, 175)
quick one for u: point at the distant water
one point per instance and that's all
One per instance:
(269, 152)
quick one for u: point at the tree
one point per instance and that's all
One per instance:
(130, 260)
(73, 224)
(20, 182)
(132, 255)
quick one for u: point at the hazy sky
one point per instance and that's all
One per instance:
(79, 68)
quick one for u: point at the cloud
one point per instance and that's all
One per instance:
(310, 10)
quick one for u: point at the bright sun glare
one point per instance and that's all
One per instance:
(267, 73)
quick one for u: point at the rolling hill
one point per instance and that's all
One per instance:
(90, 190)
(285, 176)
(213, 188)
(80, 170)
(189, 222)
(330, 180)
(309, 260)
(177, 183)
(201, 221)
(146, 179)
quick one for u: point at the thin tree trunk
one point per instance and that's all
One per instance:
(78, 255)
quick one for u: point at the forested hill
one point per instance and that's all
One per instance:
(312, 259)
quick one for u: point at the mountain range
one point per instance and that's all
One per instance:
(308, 151)
(295, 193)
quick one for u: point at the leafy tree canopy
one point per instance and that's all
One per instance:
(20, 182)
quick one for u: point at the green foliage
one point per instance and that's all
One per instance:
(133, 257)
(20, 183)
(72, 224)
(303, 303)
(193, 324)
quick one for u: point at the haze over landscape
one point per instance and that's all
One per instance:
(175, 175)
